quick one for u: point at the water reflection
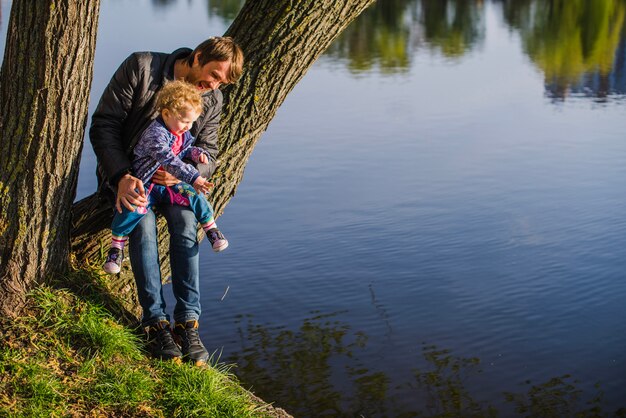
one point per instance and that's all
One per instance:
(597, 83)
(578, 45)
(294, 366)
(559, 397)
(388, 33)
(452, 26)
(225, 9)
(163, 4)
(574, 43)
(315, 371)
(379, 37)
(442, 386)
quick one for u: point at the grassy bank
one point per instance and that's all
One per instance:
(68, 356)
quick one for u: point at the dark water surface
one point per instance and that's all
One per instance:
(434, 223)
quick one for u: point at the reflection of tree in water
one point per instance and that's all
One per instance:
(596, 84)
(296, 366)
(452, 26)
(558, 397)
(517, 13)
(315, 371)
(386, 34)
(388, 31)
(225, 9)
(574, 42)
(443, 385)
(163, 4)
(379, 36)
(578, 44)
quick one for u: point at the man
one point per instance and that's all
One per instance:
(125, 109)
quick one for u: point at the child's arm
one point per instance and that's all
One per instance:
(196, 154)
(154, 142)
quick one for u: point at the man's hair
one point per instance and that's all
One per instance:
(179, 96)
(220, 48)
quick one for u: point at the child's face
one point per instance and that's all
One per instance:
(179, 123)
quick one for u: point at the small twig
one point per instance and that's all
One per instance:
(225, 292)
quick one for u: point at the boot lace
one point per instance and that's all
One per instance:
(193, 337)
(164, 338)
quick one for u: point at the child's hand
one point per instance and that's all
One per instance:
(204, 159)
(202, 185)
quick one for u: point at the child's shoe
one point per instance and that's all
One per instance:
(113, 263)
(217, 240)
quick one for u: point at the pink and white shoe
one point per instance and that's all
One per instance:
(217, 240)
(113, 263)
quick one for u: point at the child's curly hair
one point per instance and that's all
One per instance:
(179, 96)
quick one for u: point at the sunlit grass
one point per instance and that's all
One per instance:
(69, 357)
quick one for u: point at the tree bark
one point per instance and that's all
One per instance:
(44, 91)
(281, 40)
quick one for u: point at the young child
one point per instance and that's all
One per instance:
(161, 147)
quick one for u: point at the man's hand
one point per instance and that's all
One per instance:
(202, 185)
(130, 192)
(164, 178)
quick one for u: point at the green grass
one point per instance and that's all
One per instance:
(68, 357)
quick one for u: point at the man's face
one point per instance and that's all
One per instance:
(210, 76)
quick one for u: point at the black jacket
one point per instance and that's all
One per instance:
(126, 108)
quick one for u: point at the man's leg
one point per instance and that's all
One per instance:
(144, 258)
(182, 225)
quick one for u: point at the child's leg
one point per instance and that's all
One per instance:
(118, 242)
(123, 223)
(115, 256)
(184, 194)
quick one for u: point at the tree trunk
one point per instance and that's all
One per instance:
(44, 91)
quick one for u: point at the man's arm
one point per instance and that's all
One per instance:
(106, 135)
(108, 119)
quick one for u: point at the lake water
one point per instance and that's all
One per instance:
(434, 223)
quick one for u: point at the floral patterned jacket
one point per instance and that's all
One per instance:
(154, 150)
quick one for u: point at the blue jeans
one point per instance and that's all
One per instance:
(144, 257)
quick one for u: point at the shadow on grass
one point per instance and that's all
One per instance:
(93, 286)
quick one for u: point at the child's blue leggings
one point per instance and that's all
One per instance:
(181, 194)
